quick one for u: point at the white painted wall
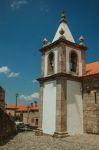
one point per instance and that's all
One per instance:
(46, 61)
(49, 108)
(74, 108)
(68, 51)
(67, 33)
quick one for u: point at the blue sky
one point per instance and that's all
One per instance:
(23, 26)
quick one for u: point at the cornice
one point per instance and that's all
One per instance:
(66, 42)
(59, 76)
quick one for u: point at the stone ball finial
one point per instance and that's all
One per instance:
(63, 18)
(45, 42)
(81, 39)
(61, 31)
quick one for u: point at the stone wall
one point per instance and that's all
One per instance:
(91, 119)
(7, 126)
(2, 97)
(91, 104)
(30, 118)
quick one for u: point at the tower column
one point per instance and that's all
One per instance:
(62, 58)
(42, 64)
(39, 131)
(61, 108)
(83, 62)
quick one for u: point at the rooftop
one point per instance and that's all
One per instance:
(22, 107)
(92, 68)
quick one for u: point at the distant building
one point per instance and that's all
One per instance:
(10, 109)
(2, 97)
(69, 88)
(27, 113)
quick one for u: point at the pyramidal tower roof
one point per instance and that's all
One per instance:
(64, 26)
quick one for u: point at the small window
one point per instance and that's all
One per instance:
(95, 96)
(21, 116)
(51, 63)
(73, 62)
(36, 121)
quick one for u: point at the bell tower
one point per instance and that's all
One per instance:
(63, 64)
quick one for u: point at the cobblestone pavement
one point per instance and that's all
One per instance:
(28, 141)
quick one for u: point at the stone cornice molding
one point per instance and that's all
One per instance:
(58, 76)
(66, 42)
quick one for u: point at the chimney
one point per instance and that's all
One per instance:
(35, 103)
(31, 104)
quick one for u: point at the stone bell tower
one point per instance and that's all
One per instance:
(63, 64)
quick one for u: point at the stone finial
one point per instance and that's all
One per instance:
(45, 42)
(63, 18)
(81, 39)
(62, 33)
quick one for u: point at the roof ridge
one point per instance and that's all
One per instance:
(93, 62)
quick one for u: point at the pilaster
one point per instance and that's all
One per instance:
(42, 64)
(62, 58)
(39, 131)
(61, 108)
(83, 62)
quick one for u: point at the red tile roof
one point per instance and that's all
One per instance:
(22, 107)
(92, 68)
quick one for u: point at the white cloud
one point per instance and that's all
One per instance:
(34, 81)
(6, 71)
(29, 97)
(13, 74)
(16, 4)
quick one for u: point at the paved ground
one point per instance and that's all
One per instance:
(28, 141)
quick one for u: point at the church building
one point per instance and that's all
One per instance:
(69, 88)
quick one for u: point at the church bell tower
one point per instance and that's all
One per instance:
(63, 64)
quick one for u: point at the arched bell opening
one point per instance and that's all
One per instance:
(51, 63)
(73, 62)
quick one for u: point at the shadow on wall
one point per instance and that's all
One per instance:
(7, 128)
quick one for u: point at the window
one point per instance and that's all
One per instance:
(21, 116)
(36, 121)
(51, 63)
(95, 95)
(73, 62)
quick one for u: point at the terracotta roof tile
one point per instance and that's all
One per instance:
(22, 107)
(92, 68)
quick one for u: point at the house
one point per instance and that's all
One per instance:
(27, 113)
